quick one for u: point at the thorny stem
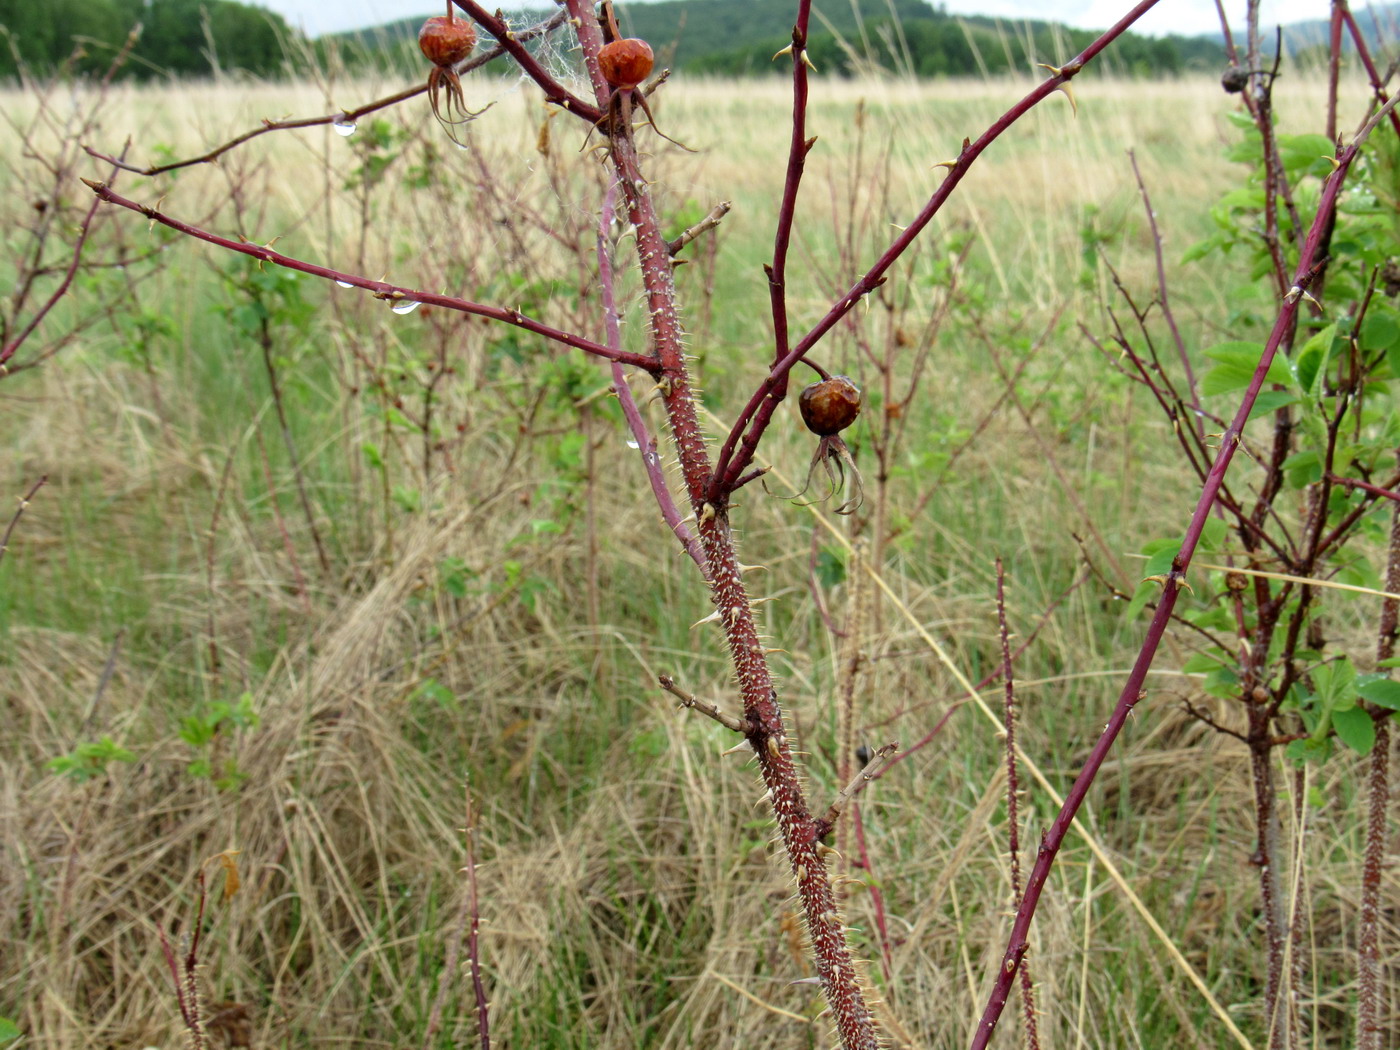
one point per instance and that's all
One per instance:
(798, 148)
(553, 90)
(646, 443)
(1370, 987)
(19, 513)
(743, 438)
(1133, 687)
(1359, 39)
(1013, 787)
(767, 732)
(381, 289)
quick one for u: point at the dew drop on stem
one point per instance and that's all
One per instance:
(344, 126)
(405, 306)
(344, 284)
(632, 443)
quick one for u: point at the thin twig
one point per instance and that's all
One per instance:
(709, 710)
(382, 289)
(339, 117)
(19, 512)
(709, 222)
(877, 765)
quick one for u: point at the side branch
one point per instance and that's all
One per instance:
(709, 710)
(553, 90)
(881, 761)
(351, 115)
(24, 502)
(754, 419)
(382, 289)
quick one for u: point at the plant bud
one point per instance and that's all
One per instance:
(626, 63)
(830, 406)
(445, 43)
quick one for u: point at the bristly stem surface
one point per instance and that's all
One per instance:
(765, 728)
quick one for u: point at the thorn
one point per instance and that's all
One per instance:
(807, 61)
(752, 568)
(785, 51)
(743, 745)
(808, 980)
(949, 164)
(1069, 94)
(712, 618)
(707, 513)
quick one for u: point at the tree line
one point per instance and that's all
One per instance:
(178, 37)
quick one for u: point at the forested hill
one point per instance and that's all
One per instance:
(740, 36)
(175, 36)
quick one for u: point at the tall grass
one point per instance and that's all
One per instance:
(500, 598)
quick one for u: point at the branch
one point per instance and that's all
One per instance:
(709, 710)
(342, 116)
(511, 41)
(1133, 688)
(19, 513)
(382, 289)
(757, 414)
(709, 222)
(646, 443)
(878, 763)
(84, 228)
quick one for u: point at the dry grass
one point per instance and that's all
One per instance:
(630, 894)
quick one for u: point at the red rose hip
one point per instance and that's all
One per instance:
(445, 43)
(626, 63)
(830, 406)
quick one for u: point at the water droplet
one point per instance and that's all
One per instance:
(631, 443)
(344, 126)
(344, 284)
(405, 306)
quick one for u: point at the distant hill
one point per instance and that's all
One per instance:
(739, 37)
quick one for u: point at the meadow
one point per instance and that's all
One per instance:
(305, 569)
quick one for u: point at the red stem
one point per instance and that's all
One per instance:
(381, 289)
(757, 414)
(1132, 689)
(1365, 54)
(84, 227)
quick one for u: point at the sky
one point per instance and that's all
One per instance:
(1169, 16)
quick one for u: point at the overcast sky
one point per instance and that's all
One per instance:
(1169, 16)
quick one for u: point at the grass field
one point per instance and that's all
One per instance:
(313, 565)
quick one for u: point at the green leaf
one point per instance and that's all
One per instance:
(1214, 534)
(1379, 331)
(1355, 729)
(830, 567)
(1383, 692)
(1309, 750)
(373, 455)
(1235, 368)
(8, 1030)
(1202, 662)
(1270, 401)
(1335, 685)
(1310, 363)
